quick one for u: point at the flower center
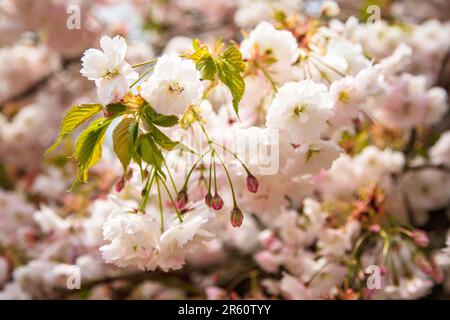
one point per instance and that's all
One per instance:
(300, 114)
(175, 87)
(310, 153)
(111, 74)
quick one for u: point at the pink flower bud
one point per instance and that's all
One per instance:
(182, 199)
(420, 238)
(120, 184)
(236, 217)
(252, 183)
(375, 228)
(217, 202)
(215, 293)
(208, 199)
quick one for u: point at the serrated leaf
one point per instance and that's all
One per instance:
(122, 143)
(162, 139)
(75, 117)
(149, 151)
(151, 116)
(231, 65)
(207, 67)
(233, 56)
(234, 81)
(88, 149)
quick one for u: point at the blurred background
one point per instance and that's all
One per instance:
(41, 44)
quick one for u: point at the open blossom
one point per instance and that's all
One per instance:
(174, 85)
(440, 152)
(279, 46)
(316, 156)
(407, 103)
(108, 68)
(134, 240)
(181, 238)
(427, 189)
(302, 109)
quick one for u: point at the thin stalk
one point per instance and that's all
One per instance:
(172, 201)
(229, 180)
(171, 178)
(161, 214)
(144, 63)
(147, 189)
(141, 77)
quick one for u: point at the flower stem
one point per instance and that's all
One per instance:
(161, 213)
(147, 189)
(144, 63)
(229, 180)
(172, 201)
(141, 77)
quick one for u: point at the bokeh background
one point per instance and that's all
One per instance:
(39, 81)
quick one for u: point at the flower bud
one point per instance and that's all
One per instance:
(236, 217)
(420, 238)
(120, 184)
(208, 199)
(375, 228)
(252, 183)
(182, 199)
(217, 202)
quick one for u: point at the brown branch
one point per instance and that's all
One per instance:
(39, 84)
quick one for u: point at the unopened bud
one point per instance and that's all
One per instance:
(182, 199)
(236, 217)
(217, 202)
(120, 184)
(208, 199)
(420, 238)
(252, 183)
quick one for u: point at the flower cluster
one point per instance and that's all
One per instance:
(307, 155)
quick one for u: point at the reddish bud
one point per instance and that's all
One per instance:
(182, 199)
(217, 202)
(208, 199)
(236, 217)
(420, 238)
(252, 183)
(120, 184)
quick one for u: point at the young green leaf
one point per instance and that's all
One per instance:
(76, 116)
(162, 139)
(234, 81)
(115, 108)
(151, 116)
(207, 67)
(88, 149)
(149, 151)
(234, 57)
(231, 65)
(122, 143)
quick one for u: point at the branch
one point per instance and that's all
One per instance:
(39, 84)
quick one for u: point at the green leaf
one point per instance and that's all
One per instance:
(233, 56)
(151, 116)
(207, 67)
(114, 108)
(123, 145)
(149, 152)
(76, 116)
(88, 149)
(162, 139)
(234, 81)
(231, 64)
